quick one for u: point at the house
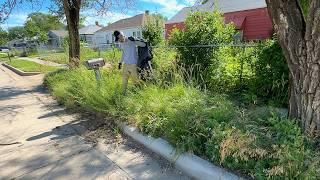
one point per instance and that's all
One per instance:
(56, 38)
(249, 16)
(130, 27)
(86, 33)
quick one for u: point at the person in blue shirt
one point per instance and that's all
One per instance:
(128, 46)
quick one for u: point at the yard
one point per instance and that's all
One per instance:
(254, 139)
(86, 54)
(28, 66)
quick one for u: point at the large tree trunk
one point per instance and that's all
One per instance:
(72, 12)
(299, 37)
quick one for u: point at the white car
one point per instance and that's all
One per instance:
(4, 49)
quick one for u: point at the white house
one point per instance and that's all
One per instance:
(130, 27)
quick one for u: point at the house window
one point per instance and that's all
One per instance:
(139, 34)
(238, 37)
(134, 34)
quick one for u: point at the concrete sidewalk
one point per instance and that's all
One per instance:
(41, 140)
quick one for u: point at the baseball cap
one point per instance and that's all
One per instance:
(116, 35)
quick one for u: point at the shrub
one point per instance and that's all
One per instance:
(202, 28)
(271, 73)
(234, 69)
(152, 31)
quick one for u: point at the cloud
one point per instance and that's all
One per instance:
(17, 19)
(170, 7)
(167, 6)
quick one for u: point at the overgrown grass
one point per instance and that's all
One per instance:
(110, 56)
(61, 58)
(258, 142)
(28, 66)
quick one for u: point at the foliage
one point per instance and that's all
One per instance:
(234, 68)
(202, 28)
(4, 36)
(304, 6)
(17, 32)
(38, 25)
(267, 147)
(152, 31)
(271, 73)
(111, 56)
(29, 66)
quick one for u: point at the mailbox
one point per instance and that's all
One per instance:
(95, 63)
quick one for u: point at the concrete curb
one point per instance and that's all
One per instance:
(18, 71)
(189, 164)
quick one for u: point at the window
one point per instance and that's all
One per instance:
(139, 34)
(238, 36)
(134, 34)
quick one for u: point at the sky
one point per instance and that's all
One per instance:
(167, 8)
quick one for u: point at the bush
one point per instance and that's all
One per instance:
(271, 74)
(152, 31)
(234, 69)
(202, 28)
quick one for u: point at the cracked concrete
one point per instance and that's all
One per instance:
(47, 142)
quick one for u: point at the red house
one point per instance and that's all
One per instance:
(249, 16)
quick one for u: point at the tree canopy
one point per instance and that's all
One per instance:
(4, 36)
(38, 25)
(17, 32)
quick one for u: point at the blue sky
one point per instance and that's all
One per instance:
(166, 7)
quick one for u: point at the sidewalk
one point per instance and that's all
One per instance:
(41, 140)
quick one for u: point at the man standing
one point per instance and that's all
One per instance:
(129, 57)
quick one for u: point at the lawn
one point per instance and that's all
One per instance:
(3, 56)
(85, 54)
(28, 66)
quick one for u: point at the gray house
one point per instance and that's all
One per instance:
(86, 33)
(56, 38)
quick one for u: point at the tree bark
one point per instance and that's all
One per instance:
(299, 37)
(72, 12)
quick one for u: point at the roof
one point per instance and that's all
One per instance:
(237, 21)
(60, 33)
(225, 6)
(134, 21)
(91, 29)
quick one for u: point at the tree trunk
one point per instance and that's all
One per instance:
(299, 37)
(72, 12)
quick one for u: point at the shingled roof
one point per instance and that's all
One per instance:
(134, 21)
(91, 29)
(224, 6)
(60, 33)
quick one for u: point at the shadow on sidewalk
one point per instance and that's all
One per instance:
(11, 92)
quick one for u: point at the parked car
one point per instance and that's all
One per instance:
(4, 49)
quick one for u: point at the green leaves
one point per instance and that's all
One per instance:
(4, 36)
(202, 28)
(38, 25)
(152, 31)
